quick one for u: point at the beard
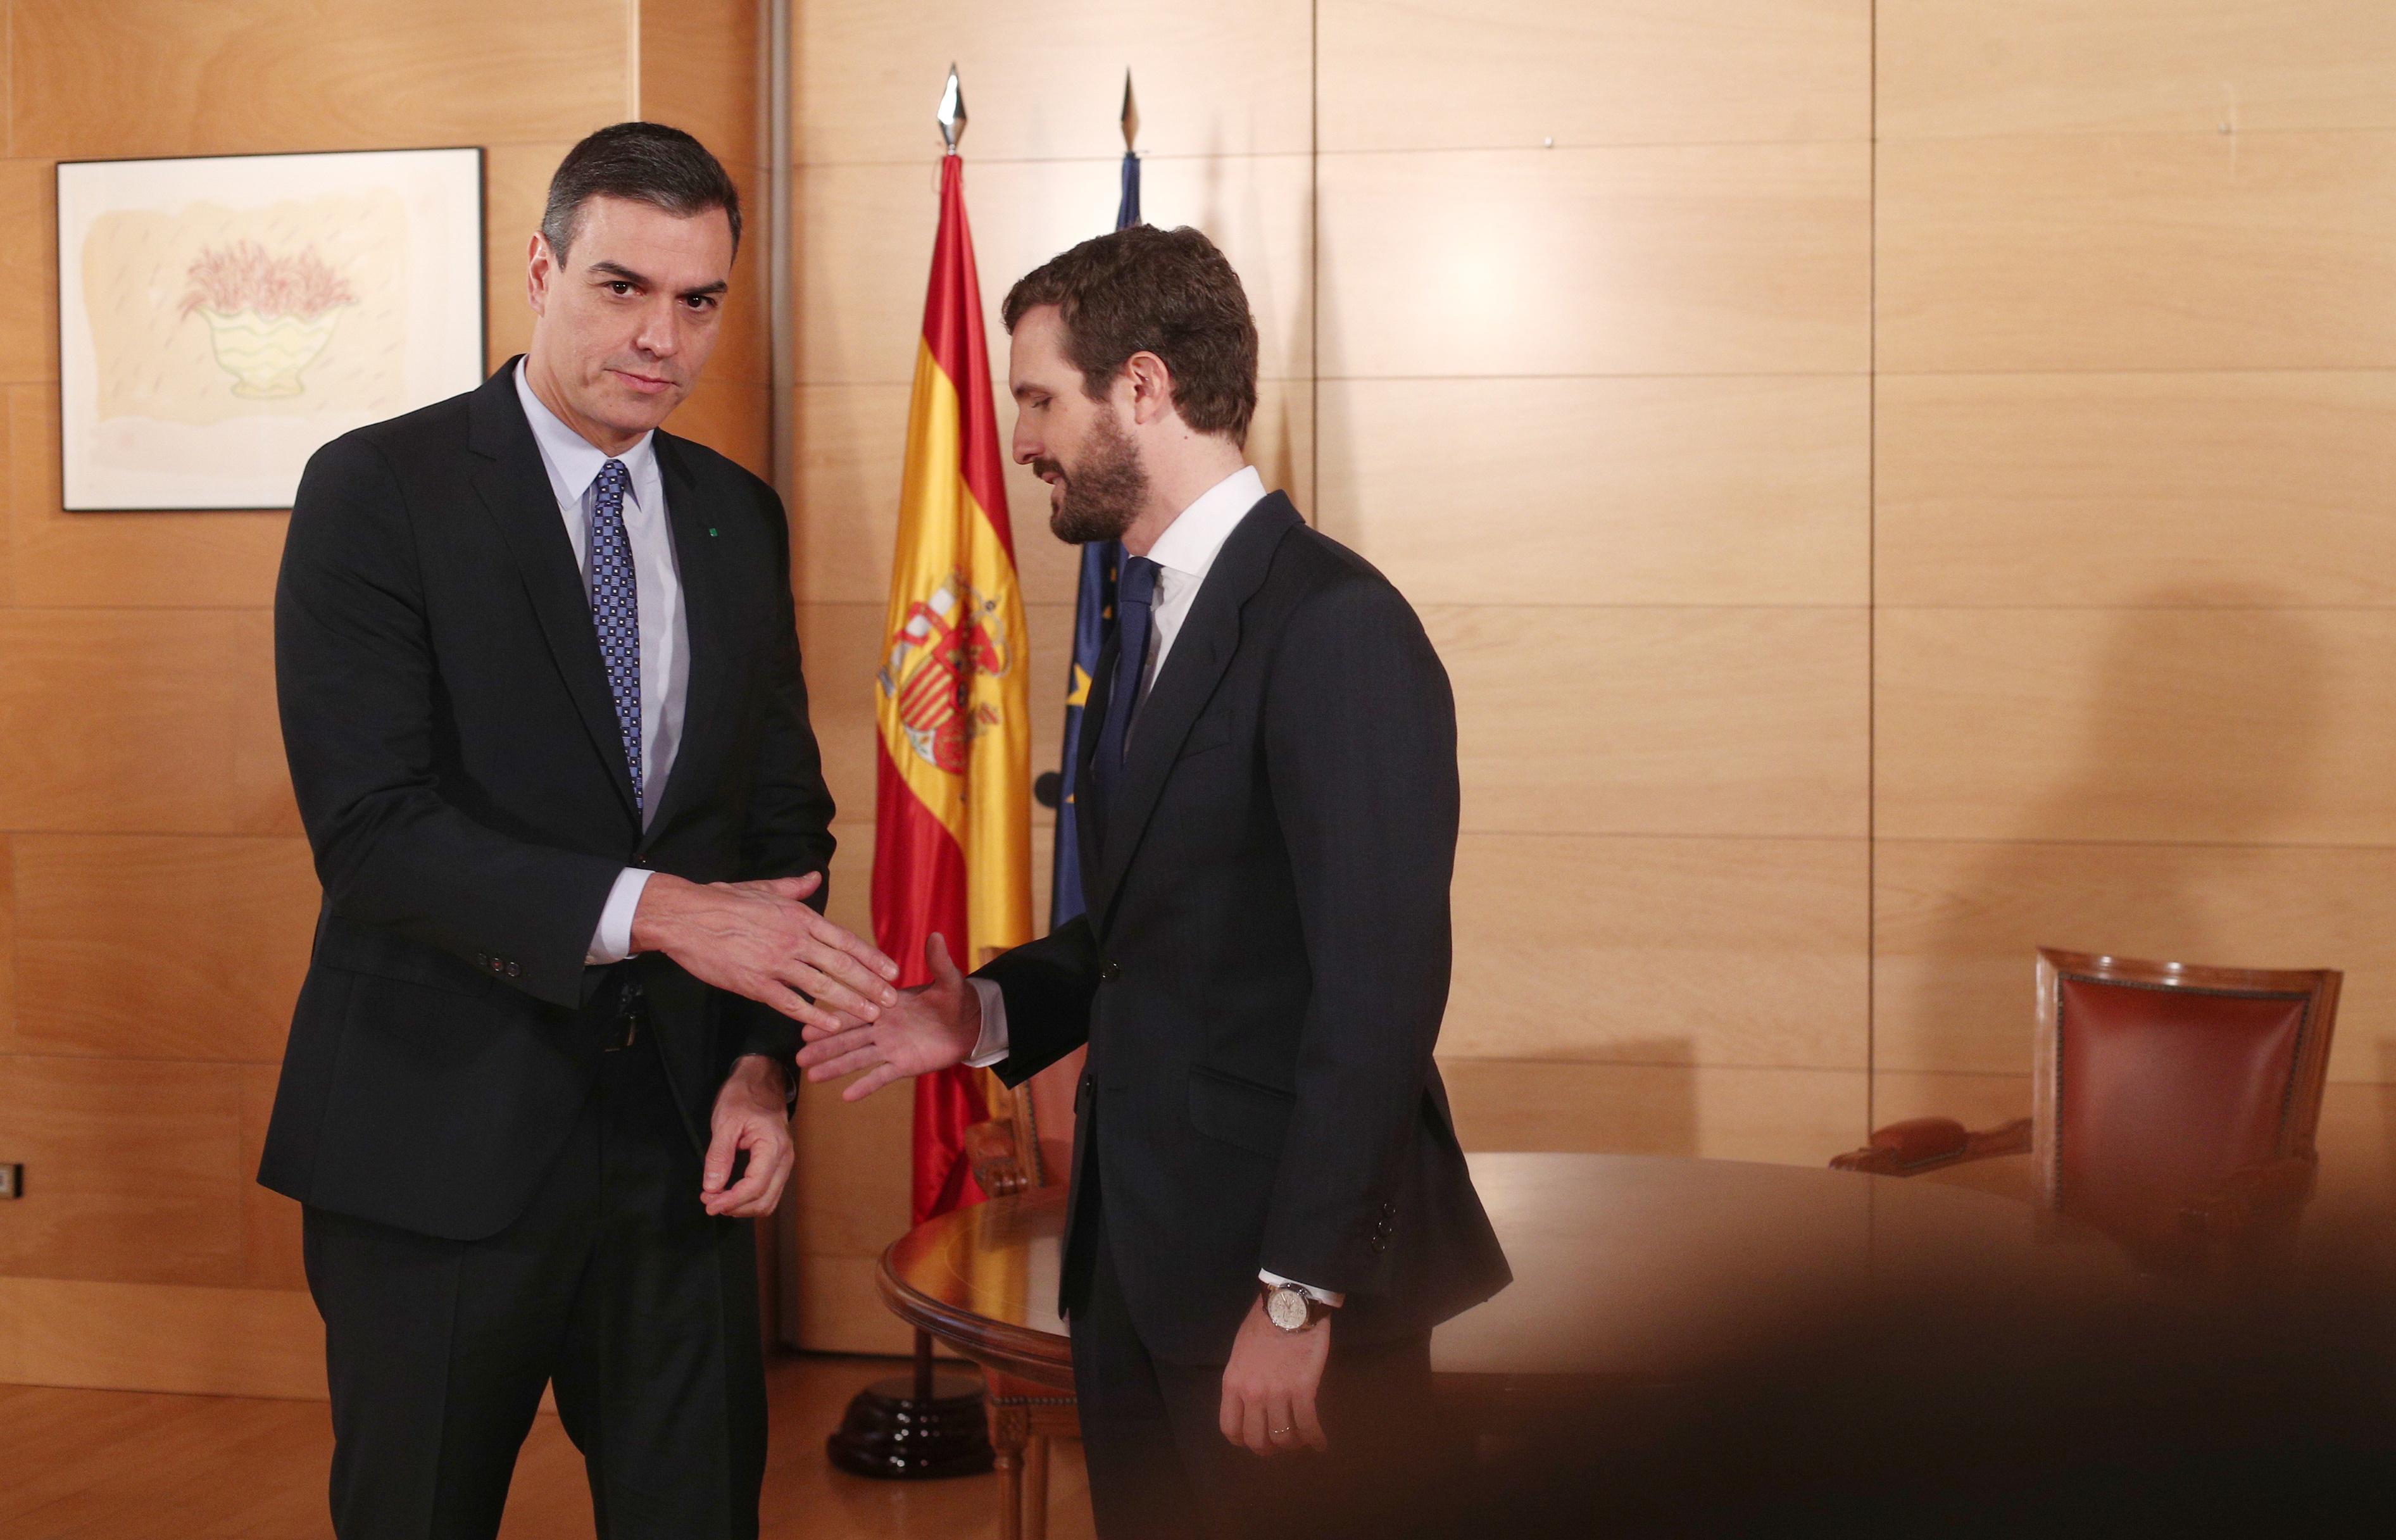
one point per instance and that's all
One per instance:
(1104, 493)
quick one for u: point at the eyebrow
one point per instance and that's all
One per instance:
(618, 272)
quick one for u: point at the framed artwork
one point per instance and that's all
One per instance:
(222, 317)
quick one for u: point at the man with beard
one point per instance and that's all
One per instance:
(1270, 1209)
(540, 691)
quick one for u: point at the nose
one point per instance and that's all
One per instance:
(1025, 444)
(659, 335)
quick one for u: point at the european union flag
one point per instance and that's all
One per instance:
(1091, 608)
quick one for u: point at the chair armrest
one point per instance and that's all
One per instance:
(2258, 1196)
(997, 1166)
(1925, 1144)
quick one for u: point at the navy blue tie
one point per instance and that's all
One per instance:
(1135, 599)
(615, 610)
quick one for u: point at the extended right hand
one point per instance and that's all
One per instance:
(932, 1027)
(760, 940)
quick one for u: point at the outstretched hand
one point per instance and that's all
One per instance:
(761, 941)
(930, 1027)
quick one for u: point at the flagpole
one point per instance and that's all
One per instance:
(926, 1429)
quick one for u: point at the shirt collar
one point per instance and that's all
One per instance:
(1189, 542)
(574, 461)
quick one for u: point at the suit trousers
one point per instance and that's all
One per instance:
(615, 1285)
(1161, 1470)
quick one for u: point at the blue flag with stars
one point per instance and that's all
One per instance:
(1092, 608)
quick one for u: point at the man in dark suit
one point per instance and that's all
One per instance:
(541, 698)
(1270, 1211)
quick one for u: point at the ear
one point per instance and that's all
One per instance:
(1151, 387)
(541, 269)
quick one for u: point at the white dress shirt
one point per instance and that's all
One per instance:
(1184, 554)
(574, 463)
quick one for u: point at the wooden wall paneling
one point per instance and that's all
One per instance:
(132, 1170)
(149, 1336)
(1958, 925)
(270, 1222)
(842, 645)
(1974, 1100)
(839, 1310)
(1604, 491)
(2358, 1151)
(731, 417)
(142, 721)
(702, 70)
(852, 445)
(2110, 489)
(1450, 73)
(1660, 721)
(8, 940)
(2158, 251)
(29, 259)
(2236, 726)
(1233, 78)
(1966, 68)
(160, 946)
(359, 74)
(63, 560)
(852, 1171)
(1686, 259)
(515, 190)
(864, 244)
(1679, 952)
(1800, 1117)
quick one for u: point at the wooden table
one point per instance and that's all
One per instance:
(1627, 1268)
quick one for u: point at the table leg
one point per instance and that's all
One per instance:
(1010, 1429)
(1035, 1488)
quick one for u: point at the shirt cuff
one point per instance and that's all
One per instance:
(1324, 1296)
(992, 1046)
(612, 942)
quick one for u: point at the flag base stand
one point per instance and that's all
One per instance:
(922, 1427)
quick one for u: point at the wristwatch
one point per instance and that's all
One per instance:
(1290, 1309)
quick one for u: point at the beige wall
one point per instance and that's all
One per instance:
(1893, 486)
(157, 899)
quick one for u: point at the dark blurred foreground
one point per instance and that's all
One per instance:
(2264, 1406)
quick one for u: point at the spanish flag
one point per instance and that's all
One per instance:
(953, 810)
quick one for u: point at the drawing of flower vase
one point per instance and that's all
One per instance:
(268, 317)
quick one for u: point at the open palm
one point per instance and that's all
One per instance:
(932, 1027)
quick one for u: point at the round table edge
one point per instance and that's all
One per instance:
(1042, 1358)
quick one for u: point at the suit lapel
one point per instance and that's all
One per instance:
(695, 567)
(1187, 681)
(515, 489)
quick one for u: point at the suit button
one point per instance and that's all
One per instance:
(515, 972)
(1110, 970)
(482, 960)
(498, 966)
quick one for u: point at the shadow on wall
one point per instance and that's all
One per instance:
(2199, 739)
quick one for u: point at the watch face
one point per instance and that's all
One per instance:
(1287, 1310)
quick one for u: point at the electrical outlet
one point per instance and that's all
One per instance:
(12, 1180)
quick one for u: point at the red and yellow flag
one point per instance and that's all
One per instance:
(953, 810)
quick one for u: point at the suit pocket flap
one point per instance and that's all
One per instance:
(1256, 1118)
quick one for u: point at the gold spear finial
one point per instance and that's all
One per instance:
(1130, 115)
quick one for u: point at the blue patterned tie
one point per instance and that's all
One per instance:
(615, 610)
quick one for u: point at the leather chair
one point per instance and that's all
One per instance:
(2173, 1107)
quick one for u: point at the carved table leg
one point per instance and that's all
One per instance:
(1010, 1429)
(1035, 1488)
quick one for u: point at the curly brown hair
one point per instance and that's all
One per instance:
(1167, 292)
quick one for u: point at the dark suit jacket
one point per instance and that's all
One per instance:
(464, 787)
(1264, 963)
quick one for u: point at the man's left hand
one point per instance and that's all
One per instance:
(1268, 1386)
(751, 1114)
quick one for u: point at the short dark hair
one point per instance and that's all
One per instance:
(645, 162)
(1169, 292)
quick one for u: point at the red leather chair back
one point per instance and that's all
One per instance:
(2158, 1082)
